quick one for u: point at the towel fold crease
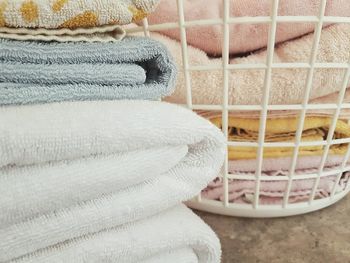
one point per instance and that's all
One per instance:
(104, 165)
(42, 72)
(180, 237)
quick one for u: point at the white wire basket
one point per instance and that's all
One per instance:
(255, 209)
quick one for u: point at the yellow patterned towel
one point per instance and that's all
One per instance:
(53, 14)
(283, 130)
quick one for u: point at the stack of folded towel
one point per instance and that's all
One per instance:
(246, 88)
(84, 175)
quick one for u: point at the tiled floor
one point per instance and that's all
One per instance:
(322, 236)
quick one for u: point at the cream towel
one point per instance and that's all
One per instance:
(174, 236)
(72, 169)
(108, 33)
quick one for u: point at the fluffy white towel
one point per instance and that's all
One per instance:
(174, 236)
(71, 169)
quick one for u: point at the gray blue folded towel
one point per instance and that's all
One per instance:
(41, 72)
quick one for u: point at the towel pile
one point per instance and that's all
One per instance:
(248, 45)
(92, 167)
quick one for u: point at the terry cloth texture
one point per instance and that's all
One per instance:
(246, 86)
(177, 235)
(41, 72)
(277, 114)
(284, 163)
(243, 37)
(283, 130)
(76, 168)
(72, 13)
(108, 33)
(272, 192)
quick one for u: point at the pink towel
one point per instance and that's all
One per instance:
(277, 164)
(243, 37)
(272, 192)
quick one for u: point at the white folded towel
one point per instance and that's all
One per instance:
(176, 235)
(72, 169)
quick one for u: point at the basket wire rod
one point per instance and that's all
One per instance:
(184, 52)
(347, 186)
(330, 134)
(218, 107)
(145, 27)
(242, 20)
(181, 12)
(298, 135)
(225, 63)
(288, 144)
(342, 170)
(278, 177)
(347, 155)
(286, 65)
(265, 99)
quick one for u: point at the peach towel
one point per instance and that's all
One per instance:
(243, 37)
(272, 192)
(246, 86)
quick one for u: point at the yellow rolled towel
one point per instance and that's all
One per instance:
(283, 130)
(54, 14)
